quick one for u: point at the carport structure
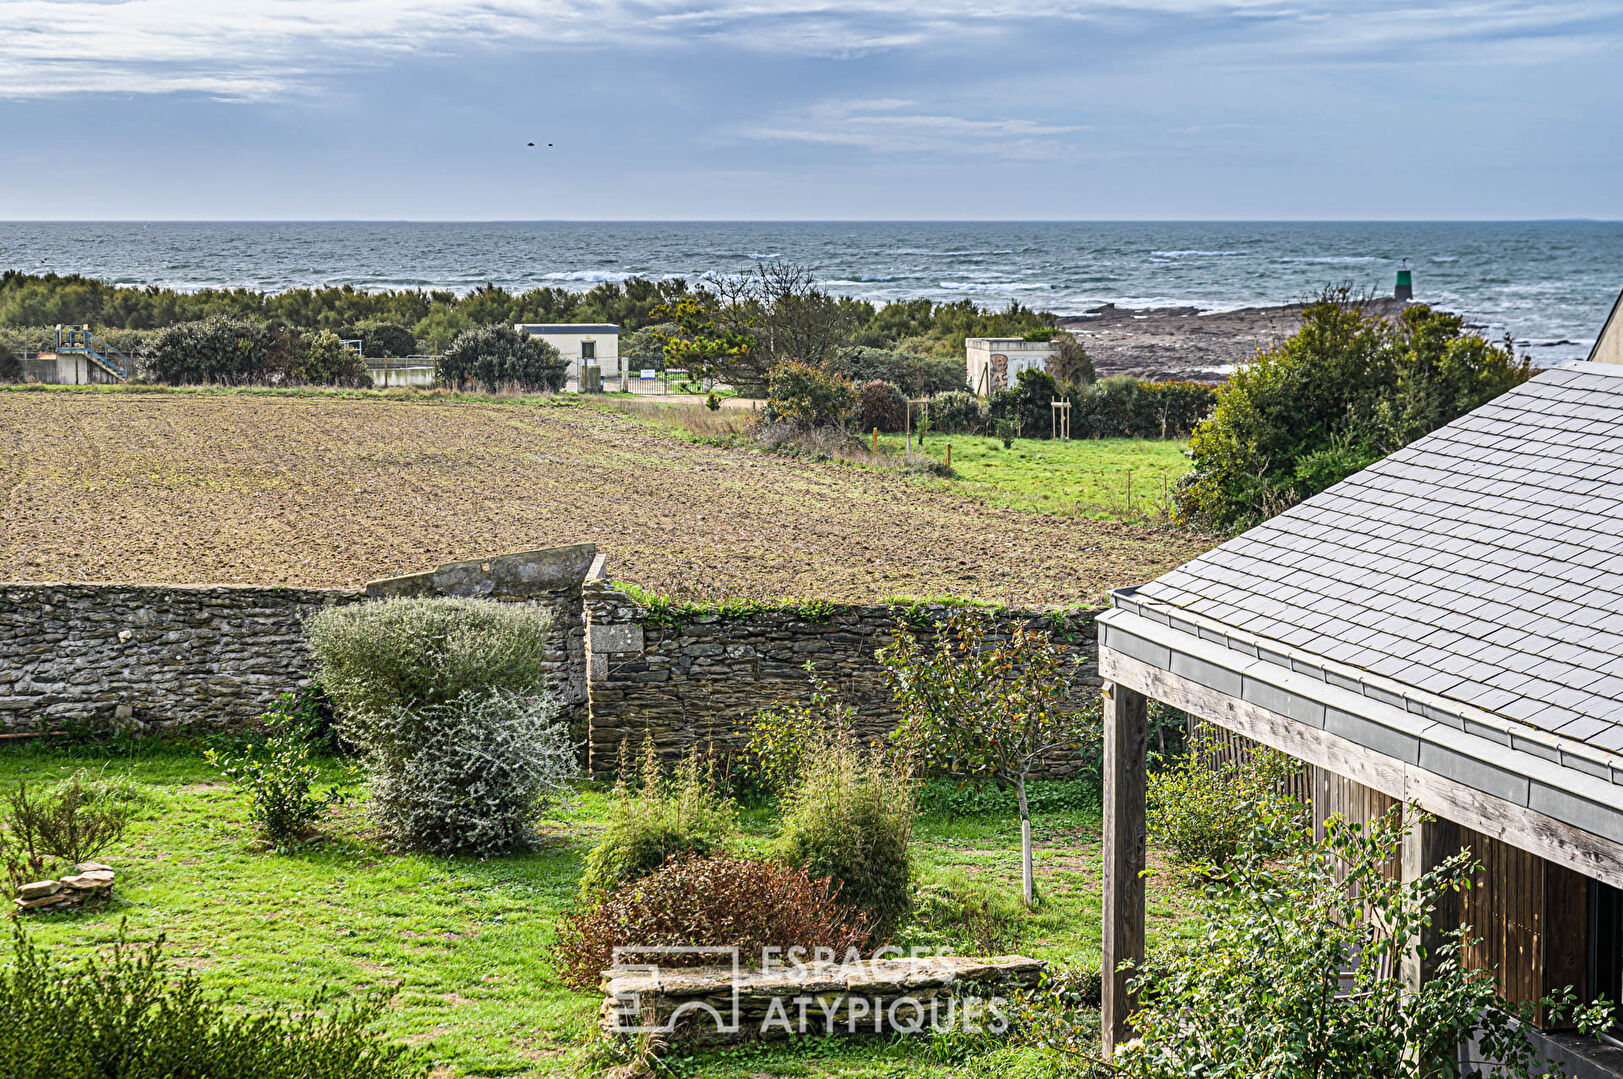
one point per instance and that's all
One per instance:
(1445, 630)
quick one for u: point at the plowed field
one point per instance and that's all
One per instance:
(240, 488)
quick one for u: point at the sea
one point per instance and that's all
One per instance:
(1548, 284)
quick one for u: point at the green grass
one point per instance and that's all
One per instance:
(469, 942)
(1101, 479)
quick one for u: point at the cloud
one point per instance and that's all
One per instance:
(877, 126)
(257, 49)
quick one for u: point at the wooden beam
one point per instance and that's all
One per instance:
(1429, 843)
(1521, 827)
(1125, 714)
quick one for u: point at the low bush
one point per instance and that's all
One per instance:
(65, 822)
(322, 359)
(880, 405)
(384, 339)
(715, 901)
(784, 735)
(849, 819)
(278, 777)
(132, 1016)
(913, 373)
(495, 357)
(373, 658)
(806, 396)
(657, 816)
(469, 776)
(445, 701)
(218, 350)
(1292, 977)
(1206, 809)
(960, 413)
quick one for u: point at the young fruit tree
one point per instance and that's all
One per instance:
(987, 710)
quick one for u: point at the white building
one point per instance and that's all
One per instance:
(580, 342)
(994, 362)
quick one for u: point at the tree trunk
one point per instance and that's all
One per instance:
(1028, 879)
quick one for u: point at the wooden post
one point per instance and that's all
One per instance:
(876, 442)
(949, 455)
(1427, 844)
(1125, 714)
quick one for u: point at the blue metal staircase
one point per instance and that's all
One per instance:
(79, 341)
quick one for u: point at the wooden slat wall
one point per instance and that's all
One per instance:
(1531, 916)
(1529, 919)
(1213, 745)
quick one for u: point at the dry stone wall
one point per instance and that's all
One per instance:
(155, 657)
(696, 679)
(150, 656)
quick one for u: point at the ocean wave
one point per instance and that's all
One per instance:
(590, 277)
(994, 286)
(1196, 254)
(1338, 259)
(858, 280)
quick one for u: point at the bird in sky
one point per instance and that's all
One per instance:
(532, 144)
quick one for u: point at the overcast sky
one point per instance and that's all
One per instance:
(747, 109)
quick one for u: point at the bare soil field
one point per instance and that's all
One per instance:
(312, 490)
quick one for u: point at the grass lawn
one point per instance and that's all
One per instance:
(469, 942)
(1104, 479)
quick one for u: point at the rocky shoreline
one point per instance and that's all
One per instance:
(1183, 342)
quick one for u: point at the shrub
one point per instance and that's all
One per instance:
(656, 817)
(784, 735)
(1293, 979)
(914, 374)
(494, 357)
(11, 362)
(881, 405)
(715, 901)
(223, 350)
(322, 359)
(806, 396)
(65, 822)
(1346, 390)
(131, 1016)
(373, 658)
(469, 776)
(443, 698)
(1028, 404)
(1070, 363)
(278, 776)
(384, 339)
(960, 413)
(1006, 432)
(849, 819)
(1205, 810)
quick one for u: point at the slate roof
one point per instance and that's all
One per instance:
(1482, 563)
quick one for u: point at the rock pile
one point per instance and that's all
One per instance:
(89, 880)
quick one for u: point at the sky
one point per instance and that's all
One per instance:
(828, 109)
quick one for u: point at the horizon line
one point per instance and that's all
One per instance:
(806, 221)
